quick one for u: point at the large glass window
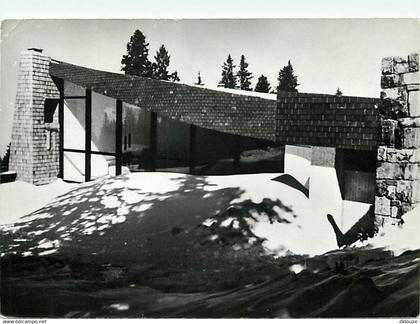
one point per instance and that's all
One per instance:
(136, 138)
(74, 124)
(173, 139)
(74, 166)
(103, 123)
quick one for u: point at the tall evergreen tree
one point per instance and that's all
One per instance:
(228, 76)
(338, 92)
(244, 75)
(136, 61)
(287, 79)
(199, 82)
(263, 85)
(161, 64)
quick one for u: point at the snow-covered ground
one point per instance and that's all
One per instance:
(301, 226)
(20, 198)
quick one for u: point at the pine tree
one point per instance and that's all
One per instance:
(174, 76)
(287, 79)
(244, 75)
(228, 76)
(160, 67)
(338, 92)
(262, 84)
(199, 82)
(136, 61)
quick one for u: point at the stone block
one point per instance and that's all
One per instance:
(391, 155)
(408, 191)
(410, 137)
(381, 153)
(412, 171)
(382, 206)
(387, 65)
(390, 81)
(401, 67)
(393, 93)
(413, 62)
(394, 211)
(388, 127)
(381, 188)
(411, 78)
(414, 103)
(387, 170)
(409, 122)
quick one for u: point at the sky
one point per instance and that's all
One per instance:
(325, 53)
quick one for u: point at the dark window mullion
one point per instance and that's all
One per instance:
(118, 138)
(88, 134)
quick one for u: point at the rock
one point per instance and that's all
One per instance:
(382, 206)
(388, 170)
(390, 81)
(413, 62)
(408, 191)
(411, 78)
(381, 153)
(387, 65)
(411, 137)
(414, 103)
(412, 172)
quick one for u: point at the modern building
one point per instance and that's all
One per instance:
(79, 124)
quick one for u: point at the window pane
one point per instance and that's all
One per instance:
(71, 89)
(102, 165)
(103, 123)
(136, 138)
(74, 166)
(172, 145)
(74, 124)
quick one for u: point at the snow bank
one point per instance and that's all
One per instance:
(20, 198)
(398, 238)
(247, 205)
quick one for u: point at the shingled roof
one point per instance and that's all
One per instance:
(327, 120)
(222, 111)
(294, 118)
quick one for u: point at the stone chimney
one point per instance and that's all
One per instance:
(398, 169)
(34, 149)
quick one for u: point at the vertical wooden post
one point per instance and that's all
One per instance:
(88, 134)
(61, 131)
(193, 132)
(153, 140)
(118, 138)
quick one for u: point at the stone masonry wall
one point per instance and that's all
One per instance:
(398, 169)
(35, 144)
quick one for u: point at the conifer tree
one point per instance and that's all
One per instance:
(287, 79)
(262, 85)
(338, 92)
(161, 64)
(199, 82)
(174, 76)
(228, 76)
(136, 61)
(244, 75)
